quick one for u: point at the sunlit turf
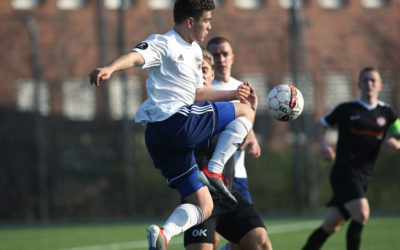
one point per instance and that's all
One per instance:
(381, 232)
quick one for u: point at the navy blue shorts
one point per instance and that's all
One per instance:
(242, 186)
(171, 142)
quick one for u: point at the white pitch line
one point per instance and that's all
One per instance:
(123, 245)
(292, 227)
(274, 229)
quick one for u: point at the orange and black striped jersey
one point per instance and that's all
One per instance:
(362, 129)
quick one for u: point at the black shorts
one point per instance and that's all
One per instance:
(231, 223)
(347, 188)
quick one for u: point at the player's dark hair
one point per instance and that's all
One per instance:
(191, 8)
(218, 40)
(367, 69)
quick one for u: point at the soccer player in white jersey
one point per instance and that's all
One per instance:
(240, 224)
(222, 51)
(181, 115)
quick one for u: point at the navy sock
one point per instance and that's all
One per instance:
(316, 239)
(354, 235)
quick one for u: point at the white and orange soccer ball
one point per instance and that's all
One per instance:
(285, 102)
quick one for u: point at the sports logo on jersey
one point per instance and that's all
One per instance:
(354, 117)
(142, 46)
(381, 121)
(197, 61)
(180, 58)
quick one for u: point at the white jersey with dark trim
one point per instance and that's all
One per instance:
(362, 129)
(174, 68)
(239, 156)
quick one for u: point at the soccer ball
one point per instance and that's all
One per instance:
(285, 102)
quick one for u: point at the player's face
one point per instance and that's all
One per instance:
(223, 58)
(201, 27)
(208, 73)
(370, 84)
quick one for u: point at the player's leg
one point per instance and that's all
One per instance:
(243, 227)
(197, 208)
(216, 240)
(332, 223)
(175, 158)
(256, 239)
(200, 246)
(359, 211)
(235, 121)
(201, 237)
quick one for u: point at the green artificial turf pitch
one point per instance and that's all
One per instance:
(380, 233)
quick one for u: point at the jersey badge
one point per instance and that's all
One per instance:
(381, 121)
(354, 117)
(180, 58)
(142, 46)
(197, 61)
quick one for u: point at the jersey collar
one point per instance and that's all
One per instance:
(180, 39)
(366, 105)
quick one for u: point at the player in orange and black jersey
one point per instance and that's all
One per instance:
(362, 125)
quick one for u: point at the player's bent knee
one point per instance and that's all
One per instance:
(207, 209)
(244, 110)
(202, 198)
(362, 217)
(332, 228)
(256, 239)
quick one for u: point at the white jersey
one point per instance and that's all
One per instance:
(174, 68)
(233, 84)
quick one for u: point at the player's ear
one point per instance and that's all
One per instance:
(189, 22)
(233, 57)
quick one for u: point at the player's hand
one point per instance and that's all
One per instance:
(327, 153)
(252, 147)
(242, 92)
(393, 143)
(99, 74)
(252, 99)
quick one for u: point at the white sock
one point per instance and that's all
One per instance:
(227, 246)
(228, 142)
(184, 217)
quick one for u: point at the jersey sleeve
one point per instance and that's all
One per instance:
(153, 49)
(333, 117)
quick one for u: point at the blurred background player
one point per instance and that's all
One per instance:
(222, 52)
(363, 124)
(177, 99)
(221, 49)
(240, 223)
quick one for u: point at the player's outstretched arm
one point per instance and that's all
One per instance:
(123, 62)
(215, 95)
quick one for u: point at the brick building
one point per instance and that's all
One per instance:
(340, 37)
